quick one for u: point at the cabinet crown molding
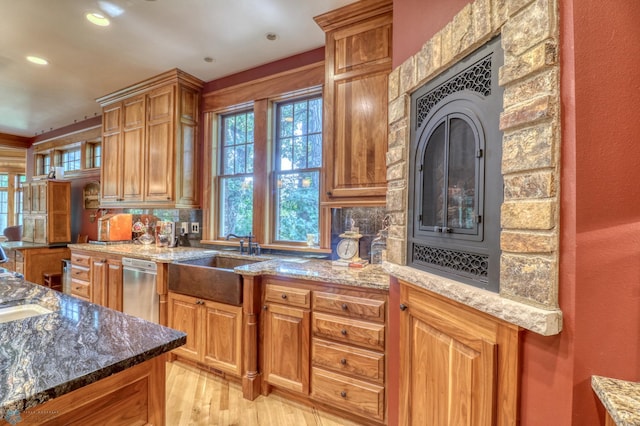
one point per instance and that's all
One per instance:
(352, 13)
(175, 75)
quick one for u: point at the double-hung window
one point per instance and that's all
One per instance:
(298, 159)
(235, 195)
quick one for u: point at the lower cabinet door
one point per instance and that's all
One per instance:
(222, 337)
(183, 316)
(286, 347)
(456, 366)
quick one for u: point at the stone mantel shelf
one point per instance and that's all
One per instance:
(542, 321)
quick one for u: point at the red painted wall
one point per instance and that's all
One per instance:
(600, 206)
(607, 196)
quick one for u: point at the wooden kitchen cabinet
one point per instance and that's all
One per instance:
(327, 343)
(97, 278)
(357, 64)
(33, 262)
(47, 212)
(106, 280)
(123, 135)
(214, 332)
(150, 144)
(457, 365)
(287, 337)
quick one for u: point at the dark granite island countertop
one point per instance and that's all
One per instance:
(50, 355)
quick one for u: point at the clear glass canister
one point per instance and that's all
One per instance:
(379, 247)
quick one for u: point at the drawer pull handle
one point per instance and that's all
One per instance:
(284, 295)
(343, 394)
(343, 361)
(403, 307)
(344, 332)
(345, 307)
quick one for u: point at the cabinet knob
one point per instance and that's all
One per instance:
(343, 394)
(265, 307)
(403, 307)
(343, 361)
(284, 295)
(329, 193)
(344, 332)
(345, 307)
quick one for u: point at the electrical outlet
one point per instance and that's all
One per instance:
(184, 228)
(195, 227)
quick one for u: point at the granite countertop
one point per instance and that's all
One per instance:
(148, 252)
(49, 355)
(371, 276)
(23, 245)
(621, 399)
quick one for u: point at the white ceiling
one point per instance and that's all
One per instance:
(147, 38)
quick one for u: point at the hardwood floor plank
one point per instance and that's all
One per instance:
(198, 398)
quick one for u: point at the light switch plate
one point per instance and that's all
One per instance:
(195, 227)
(184, 228)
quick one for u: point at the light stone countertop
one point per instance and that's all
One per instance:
(371, 276)
(542, 321)
(621, 399)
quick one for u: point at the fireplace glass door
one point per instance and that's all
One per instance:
(451, 165)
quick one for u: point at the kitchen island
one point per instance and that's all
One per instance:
(81, 363)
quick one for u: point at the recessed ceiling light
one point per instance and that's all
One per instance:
(209, 59)
(271, 36)
(97, 19)
(37, 60)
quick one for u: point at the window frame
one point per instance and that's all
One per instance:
(263, 108)
(275, 171)
(220, 175)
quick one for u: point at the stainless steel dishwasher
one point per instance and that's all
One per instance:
(139, 295)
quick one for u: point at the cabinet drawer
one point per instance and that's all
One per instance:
(80, 259)
(347, 393)
(79, 273)
(288, 296)
(346, 330)
(363, 363)
(80, 288)
(351, 306)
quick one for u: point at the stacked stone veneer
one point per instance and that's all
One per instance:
(530, 123)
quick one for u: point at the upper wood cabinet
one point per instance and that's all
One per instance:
(358, 62)
(150, 145)
(47, 212)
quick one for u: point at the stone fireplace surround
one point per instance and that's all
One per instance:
(530, 122)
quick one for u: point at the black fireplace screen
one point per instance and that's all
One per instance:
(455, 185)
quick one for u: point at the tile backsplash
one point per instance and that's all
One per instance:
(367, 219)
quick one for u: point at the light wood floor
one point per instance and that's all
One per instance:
(195, 397)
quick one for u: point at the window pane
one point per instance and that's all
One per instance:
(4, 180)
(300, 153)
(286, 154)
(286, 120)
(315, 116)
(315, 150)
(236, 205)
(300, 118)
(298, 207)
